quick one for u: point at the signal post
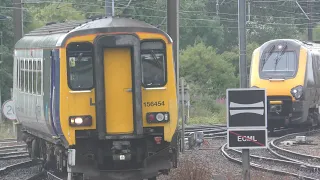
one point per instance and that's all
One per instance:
(247, 122)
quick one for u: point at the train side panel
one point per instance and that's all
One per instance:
(71, 102)
(32, 90)
(312, 81)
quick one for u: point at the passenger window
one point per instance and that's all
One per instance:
(80, 65)
(26, 75)
(30, 76)
(18, 74)
(318, 64)
(153, 61)
(34, 76)
(22, 74)
(39, 75)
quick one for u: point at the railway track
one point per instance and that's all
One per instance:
(285, 162)
(13, 152)
(18, 156)
(209, 131)
(278, 166)
(12, 147)
(213, 131)
(40, 176)
(54, 176)
(8, 140)
(24, 164)
(291, 155)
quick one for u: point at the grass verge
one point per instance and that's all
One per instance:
(6, 130)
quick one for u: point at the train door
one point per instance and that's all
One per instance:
(118, 90)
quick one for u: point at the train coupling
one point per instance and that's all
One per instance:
(121, 151)
(277, 108)
(121, 157)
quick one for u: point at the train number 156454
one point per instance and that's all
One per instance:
(153, 103)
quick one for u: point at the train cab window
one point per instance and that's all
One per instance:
(276, 65)
(153, 63)
(80, 65)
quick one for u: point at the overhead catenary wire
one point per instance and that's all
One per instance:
(296, 20)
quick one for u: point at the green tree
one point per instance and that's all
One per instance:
(46, 13)
(232, 56)
(199, 24)
(316, 33)
(6, 28)
(208, 75)
(207, 70)
(268, 20)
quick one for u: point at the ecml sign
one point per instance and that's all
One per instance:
(247, 118)
(247, 139)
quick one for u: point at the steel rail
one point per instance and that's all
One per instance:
(52, 176)
(12, 153)
(12, 147)
(291, 155)
(39, 176)
(277, 171)
(24, 155)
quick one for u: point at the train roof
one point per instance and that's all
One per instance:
(306, 44)
(55, 35)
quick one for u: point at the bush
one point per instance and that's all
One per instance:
(205, 113)
(215, 119)
(191, 168)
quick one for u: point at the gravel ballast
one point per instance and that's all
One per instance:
(195, 165)
(4, 163)
(21, 174)
(305, 149)
(213, 162)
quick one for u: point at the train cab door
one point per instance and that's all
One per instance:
(118, 91)
(118, 86)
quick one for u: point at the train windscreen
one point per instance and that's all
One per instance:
(80, 65)
(279, 64)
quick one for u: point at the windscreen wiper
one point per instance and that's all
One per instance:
(155, 59)
(266, 57)
(279, 56)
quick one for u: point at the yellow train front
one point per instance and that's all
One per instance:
(109, 99)
(289, 71)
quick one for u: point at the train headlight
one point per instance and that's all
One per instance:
(160, 117)
(77, 121)
(157, 117)
(297, 92)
